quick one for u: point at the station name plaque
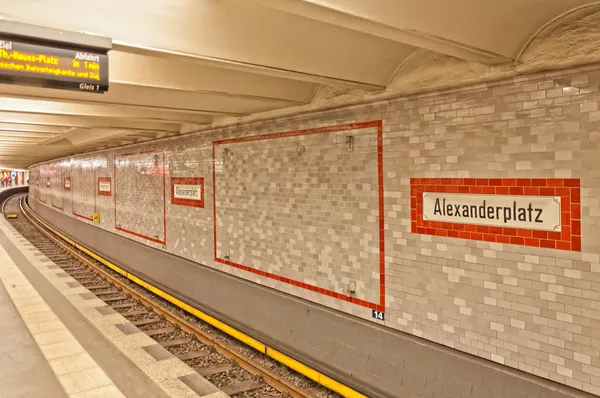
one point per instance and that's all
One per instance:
(39, 64)
(529, 212)
(187, 191)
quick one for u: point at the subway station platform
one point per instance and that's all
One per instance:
(58, 340)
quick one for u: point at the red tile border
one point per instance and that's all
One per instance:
(164, 179)
(343, 127)
(187, 181)
(104, 193)
(568, 189)
(84, 217)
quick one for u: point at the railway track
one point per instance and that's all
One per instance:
(236, 369)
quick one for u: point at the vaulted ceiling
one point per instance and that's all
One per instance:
(179, 65)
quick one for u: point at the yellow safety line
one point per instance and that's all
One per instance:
(284, 359)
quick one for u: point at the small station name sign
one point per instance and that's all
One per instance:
(192, 192)
(187, 191)
(48, 65)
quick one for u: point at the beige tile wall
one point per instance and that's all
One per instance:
(533, 309)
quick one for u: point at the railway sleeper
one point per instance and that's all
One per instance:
(134, 313)
(240, 387)
(70, 269)
(98, 287)
(124, 305)
(213, 370)
(192, 355)
(111, 291)
(118, 298)
(148, 321)
(174, 343)
(79, 274)
(156, 332)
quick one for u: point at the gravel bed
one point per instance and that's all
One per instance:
(212, 359)
(178, 334)
(151, 315)
(158, 325)
(124, 301)
(131, 309)
(195, 345)
(232, 376)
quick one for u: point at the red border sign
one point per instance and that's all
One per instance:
(569, 238)
(105, 179)
(187, 181)
(67, 188)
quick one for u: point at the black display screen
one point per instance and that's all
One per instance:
(53, 66)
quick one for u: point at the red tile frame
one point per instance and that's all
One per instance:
(104, 193)
(164, 188)
(569, 238)
(187, 181)
(343, 127)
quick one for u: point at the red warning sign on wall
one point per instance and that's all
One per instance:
(534, 212)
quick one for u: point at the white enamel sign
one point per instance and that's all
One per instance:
(519, 211)
(104, 186)
(67, 183)
(193, 192)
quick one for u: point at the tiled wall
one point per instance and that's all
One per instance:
(140, 195)
(305, 208)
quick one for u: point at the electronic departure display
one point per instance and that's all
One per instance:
(53, 66)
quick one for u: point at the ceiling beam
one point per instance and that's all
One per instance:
(181, 74)
(62, 121)
(143, 94)
(364, 23)
(242, 66)
(66, 108)
(28, 128)
(25, 134)
(81, 137)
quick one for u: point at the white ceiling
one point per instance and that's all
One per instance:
(179, 65)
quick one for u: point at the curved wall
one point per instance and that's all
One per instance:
(319, 207)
